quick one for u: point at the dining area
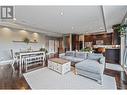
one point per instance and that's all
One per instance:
(20, 61)
(28, 58)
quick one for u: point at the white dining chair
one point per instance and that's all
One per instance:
(14, 60)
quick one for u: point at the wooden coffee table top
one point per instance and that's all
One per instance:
(59, 60)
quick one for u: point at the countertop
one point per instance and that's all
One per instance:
(107, 46)
(112, 48)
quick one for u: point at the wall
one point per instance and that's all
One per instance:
(53, 47)
(66, 42)
(8, 35)
(81, 37)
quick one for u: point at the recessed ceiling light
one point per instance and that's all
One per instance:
(72, 27)
(14, 19)
(101, 28)
(61, 13)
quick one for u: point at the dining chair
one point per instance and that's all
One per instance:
(15, 59)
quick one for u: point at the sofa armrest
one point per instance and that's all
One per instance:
(102, 63)
(62, 54)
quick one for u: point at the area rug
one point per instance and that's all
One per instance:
(45, 78)
(115, 67)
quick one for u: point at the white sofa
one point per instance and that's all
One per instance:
(90, 65)
(73, 56)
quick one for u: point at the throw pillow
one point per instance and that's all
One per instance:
(100, 60)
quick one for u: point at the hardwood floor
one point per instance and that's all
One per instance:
(17, 82)
(14, 82)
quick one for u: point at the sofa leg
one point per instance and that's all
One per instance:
(99, 82)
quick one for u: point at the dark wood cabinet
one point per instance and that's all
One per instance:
(116, 35)
(66, 42)
(75, 42)
(112, 56)
(88, 38)
(106, 37)
(116, 38)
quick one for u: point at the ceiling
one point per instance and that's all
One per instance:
(58, 20)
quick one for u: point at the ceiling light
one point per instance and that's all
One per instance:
(6, 28)
(61, 13)
(101, 28)
(72, 27)
(14, 19)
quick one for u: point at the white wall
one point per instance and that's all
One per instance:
(8, 35)
(51, 46)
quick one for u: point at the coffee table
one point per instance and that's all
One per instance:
(59, 65)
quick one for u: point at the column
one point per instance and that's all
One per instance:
(83, 43)
(70, 42)
(64, 41)
(122, 48)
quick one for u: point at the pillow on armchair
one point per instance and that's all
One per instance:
(82, 55)
(101, 60)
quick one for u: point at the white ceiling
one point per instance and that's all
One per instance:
(114, 15)
(75, 19)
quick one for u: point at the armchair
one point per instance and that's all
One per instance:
(92, 67)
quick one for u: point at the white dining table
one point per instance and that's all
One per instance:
(21, 54)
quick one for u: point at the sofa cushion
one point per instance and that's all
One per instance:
(76, 59)
(70, 53)
(82, 55)
(89, 66)
(94, 56)
(72, 59)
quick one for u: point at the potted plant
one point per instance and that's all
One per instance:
(26, 40)
(87, 49)
(120, 28)
(44, 50)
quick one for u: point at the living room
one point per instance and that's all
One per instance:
(70, 45)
